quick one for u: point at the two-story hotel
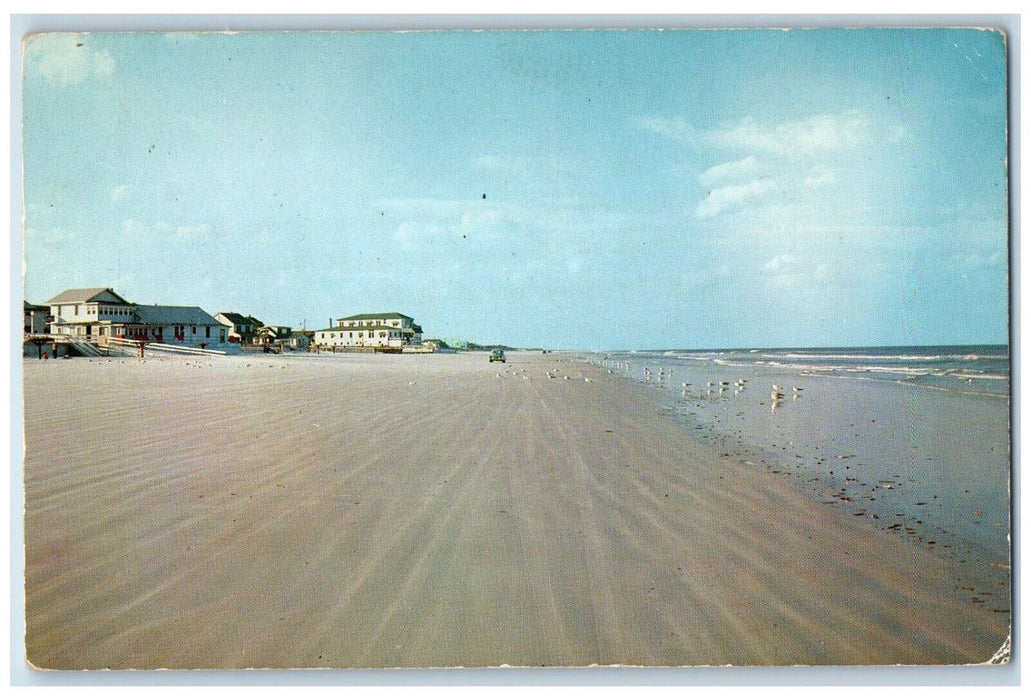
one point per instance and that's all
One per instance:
(389, 329)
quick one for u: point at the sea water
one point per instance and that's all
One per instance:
(912, 440)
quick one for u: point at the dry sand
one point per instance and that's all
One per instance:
(421, 511)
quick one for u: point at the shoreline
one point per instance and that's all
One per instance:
(440, 512)
(910, 449)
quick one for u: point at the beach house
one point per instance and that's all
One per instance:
(37, 318)
(276, 336)
(241, 328)
(88, 313)
(301, 340)
(379, 330)
(100, 314)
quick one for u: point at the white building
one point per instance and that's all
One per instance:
(99, 314)
(389, 329)
(83, 312)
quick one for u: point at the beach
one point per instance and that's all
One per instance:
(369, 511)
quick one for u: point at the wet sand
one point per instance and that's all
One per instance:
(422, 511)
(928, 464)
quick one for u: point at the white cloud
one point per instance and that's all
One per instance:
(789, 270)
(818, 133)
(67, 60)
(424, 218)
(779, 262)
(118, 194)
(745, 168)
(819, 176)
(672, 128)
(801, 159)
(797, 138)
(722, 198)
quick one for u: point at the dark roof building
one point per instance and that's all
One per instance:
(235, 318)
(174, 315)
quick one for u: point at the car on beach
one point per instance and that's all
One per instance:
(497, 355)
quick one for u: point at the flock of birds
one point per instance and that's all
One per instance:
(550, 374)
(720, 388)
(713, 389)
(663, 377)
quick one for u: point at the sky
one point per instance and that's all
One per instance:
(603, 190)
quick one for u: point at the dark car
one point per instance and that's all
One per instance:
(497, 355)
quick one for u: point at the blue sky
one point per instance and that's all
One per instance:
(597, 190)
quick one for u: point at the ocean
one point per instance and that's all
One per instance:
(965, 368)
(912, 440)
